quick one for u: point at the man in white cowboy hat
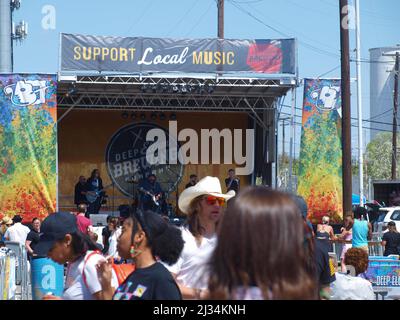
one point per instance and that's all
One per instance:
(202, 204)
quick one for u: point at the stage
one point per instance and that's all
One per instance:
(95, 111)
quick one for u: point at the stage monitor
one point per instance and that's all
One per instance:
(98, 219)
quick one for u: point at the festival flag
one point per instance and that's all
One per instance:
(28, 145)
(320, 171)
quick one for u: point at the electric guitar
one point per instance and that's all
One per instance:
(153, 197)
(91, 196)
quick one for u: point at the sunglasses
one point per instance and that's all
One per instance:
(211, 200)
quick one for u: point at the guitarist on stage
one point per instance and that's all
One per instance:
(93, 185)
(147, 188)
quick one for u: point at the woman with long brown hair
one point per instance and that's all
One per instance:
(261, 252)
(203, 205)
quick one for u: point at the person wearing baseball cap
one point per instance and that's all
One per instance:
(61, 241)
(203, 205)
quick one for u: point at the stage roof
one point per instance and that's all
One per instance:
(172, 93)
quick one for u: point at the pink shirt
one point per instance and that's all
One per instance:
(83, 223)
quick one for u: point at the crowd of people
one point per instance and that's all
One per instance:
(253, 244)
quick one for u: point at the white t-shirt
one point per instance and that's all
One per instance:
(347, 287)
(18, 233)
(191, 267)
(112, 249)
(75, 287)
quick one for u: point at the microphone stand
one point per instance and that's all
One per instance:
(113, 201)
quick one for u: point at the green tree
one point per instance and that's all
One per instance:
(378, 157)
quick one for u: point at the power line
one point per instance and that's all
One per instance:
(329, 71)
(246, 2)
(381, 114)
(292, 30)
(150, 4)
(352, 118)
(200, 19)
(367, 12)
(191, 7)
(353, 125)
(311, 47)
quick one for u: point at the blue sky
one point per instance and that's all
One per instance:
(313, 22)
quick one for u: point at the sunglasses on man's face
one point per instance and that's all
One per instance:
(211, 200)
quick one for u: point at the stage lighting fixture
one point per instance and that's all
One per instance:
(133, 115)
(208, 89)
(124, 115)
(201, 89)
(175, 88)
(71, 90)
(153, 116)
(162, 116)
(142, 117)
(145, 88)
(184, 89)
(154, 88)
(195, 88)
(164, 87)
(172, 116)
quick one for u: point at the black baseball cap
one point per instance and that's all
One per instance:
(54, 228)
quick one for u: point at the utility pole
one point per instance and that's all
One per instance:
(221, 19)
(346, 106)
(283, 138)
(5, 37)
(359, 105)
(395, 105)
(292, 134)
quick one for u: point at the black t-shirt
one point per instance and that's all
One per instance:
(392, 243)
(79, 197)
(151, 283)
(189, 185)
(325, 275)
(234, 185)
(33, 236)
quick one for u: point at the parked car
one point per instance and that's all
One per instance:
(386, 215)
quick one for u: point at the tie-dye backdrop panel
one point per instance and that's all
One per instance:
(28, 145)
(320, 176)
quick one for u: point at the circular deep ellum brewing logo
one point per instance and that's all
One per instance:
(126, 159)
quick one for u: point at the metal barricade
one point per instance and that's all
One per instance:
(21, 270)
(337, 249)
(7, 274)
(2, 274)
(374, 248)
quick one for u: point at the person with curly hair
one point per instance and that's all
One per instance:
(148, 240)
(352, 286)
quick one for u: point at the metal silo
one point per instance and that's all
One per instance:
(381, 88)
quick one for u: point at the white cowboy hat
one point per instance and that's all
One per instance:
(207, 185)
